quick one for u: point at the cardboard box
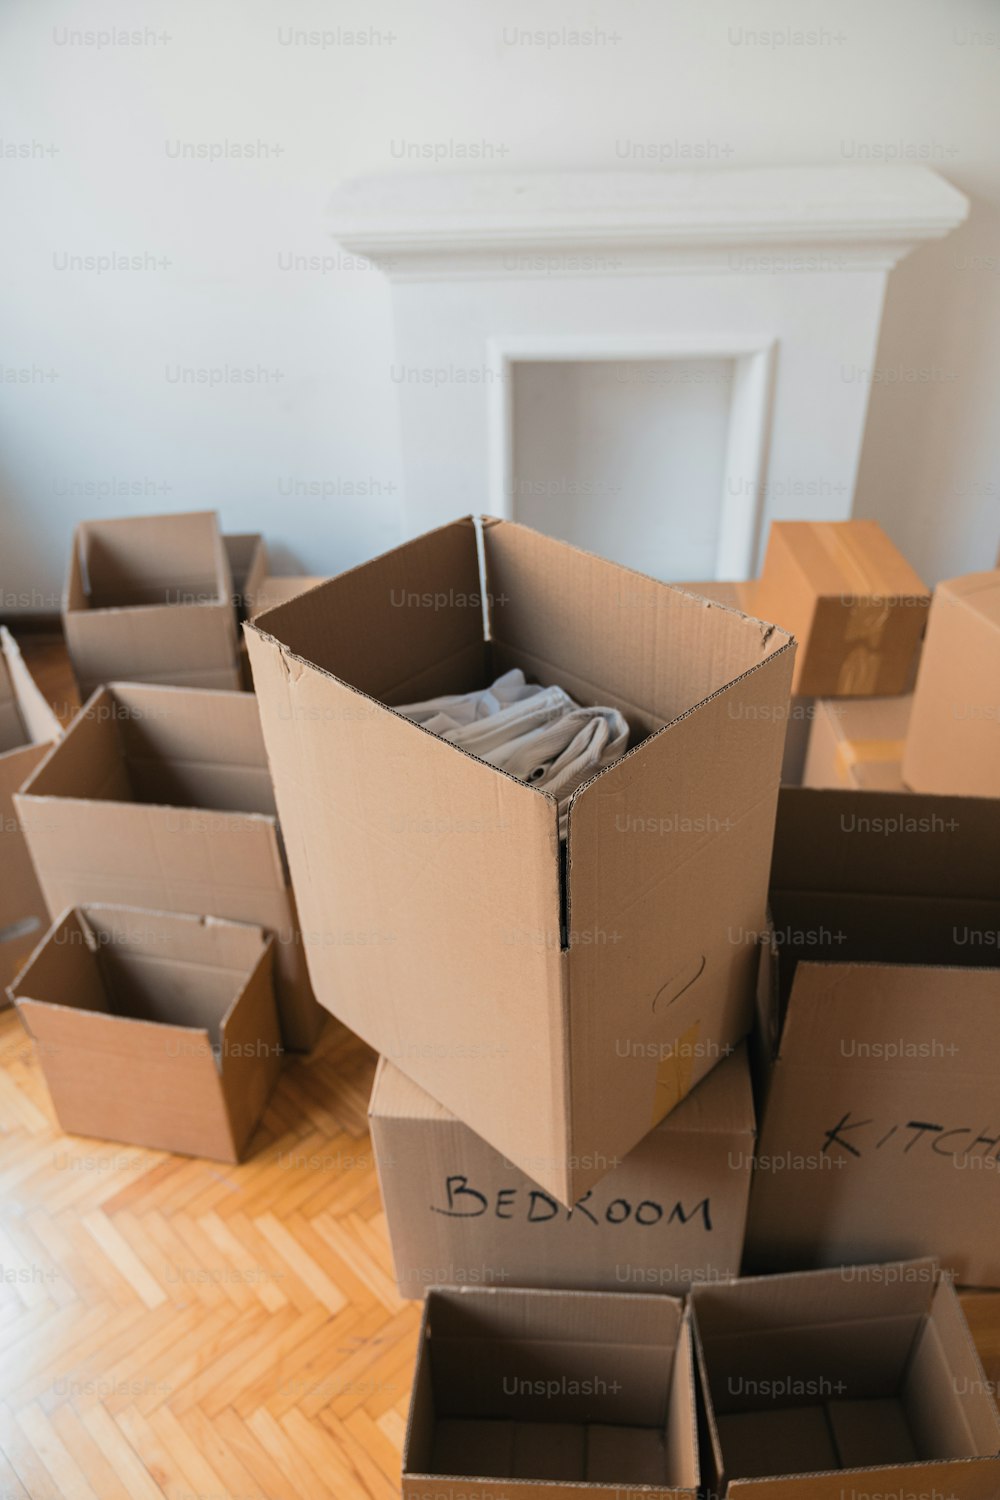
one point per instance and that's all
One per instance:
(551, 1394)
(162, 796)
(864, 1381)
(154, 1029)
(853, 603)
(150, 599)
(246, 554)
(879, 1036)
(954, 740)
(501, 950)
(28, 728)
(672, 1213)
(856, 742)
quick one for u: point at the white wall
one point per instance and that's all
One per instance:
(89, 395)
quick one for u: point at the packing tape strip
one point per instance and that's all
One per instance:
(673, 1076)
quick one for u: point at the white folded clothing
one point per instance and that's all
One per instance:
(539, 734)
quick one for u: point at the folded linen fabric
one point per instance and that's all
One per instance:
(539, 734)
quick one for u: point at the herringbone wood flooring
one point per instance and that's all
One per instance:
(180, 1328)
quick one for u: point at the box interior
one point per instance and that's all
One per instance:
(551, 1386)
(831, 927)
(148, 560)
(143, 966)
(410, 625)
(808, 1375)
(183, 747)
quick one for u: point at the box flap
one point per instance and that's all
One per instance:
(886, 842)
(246, 554)
(843, 1017)
(406, 626)
(798, 1299)
(587, 611)
(275, 589)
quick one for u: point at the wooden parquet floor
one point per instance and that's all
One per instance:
(180, 1328)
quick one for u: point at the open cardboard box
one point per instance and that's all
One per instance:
(855, 606)
(246, 554)
(671, 1214)
(559, 1001)
(154, 1029)
(162, 796)
(150, 599)
(28, 728)
(551, 1395)
(861, 1381)
(879, 1035)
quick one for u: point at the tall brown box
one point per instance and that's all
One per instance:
(671, 1214)
(150, 599)
(879, 1035)
(154, 1029)
(853, 603)
(28, 729)
(492, 983)
(162, 796)
(858, 1382)
(551, 1395)
(954, 739)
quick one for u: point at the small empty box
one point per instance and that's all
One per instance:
(154, 1029)
(577, 1394)
(862, 1380)
(150, 599)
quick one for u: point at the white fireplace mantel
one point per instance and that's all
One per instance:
(440, 223)
(782, 271)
